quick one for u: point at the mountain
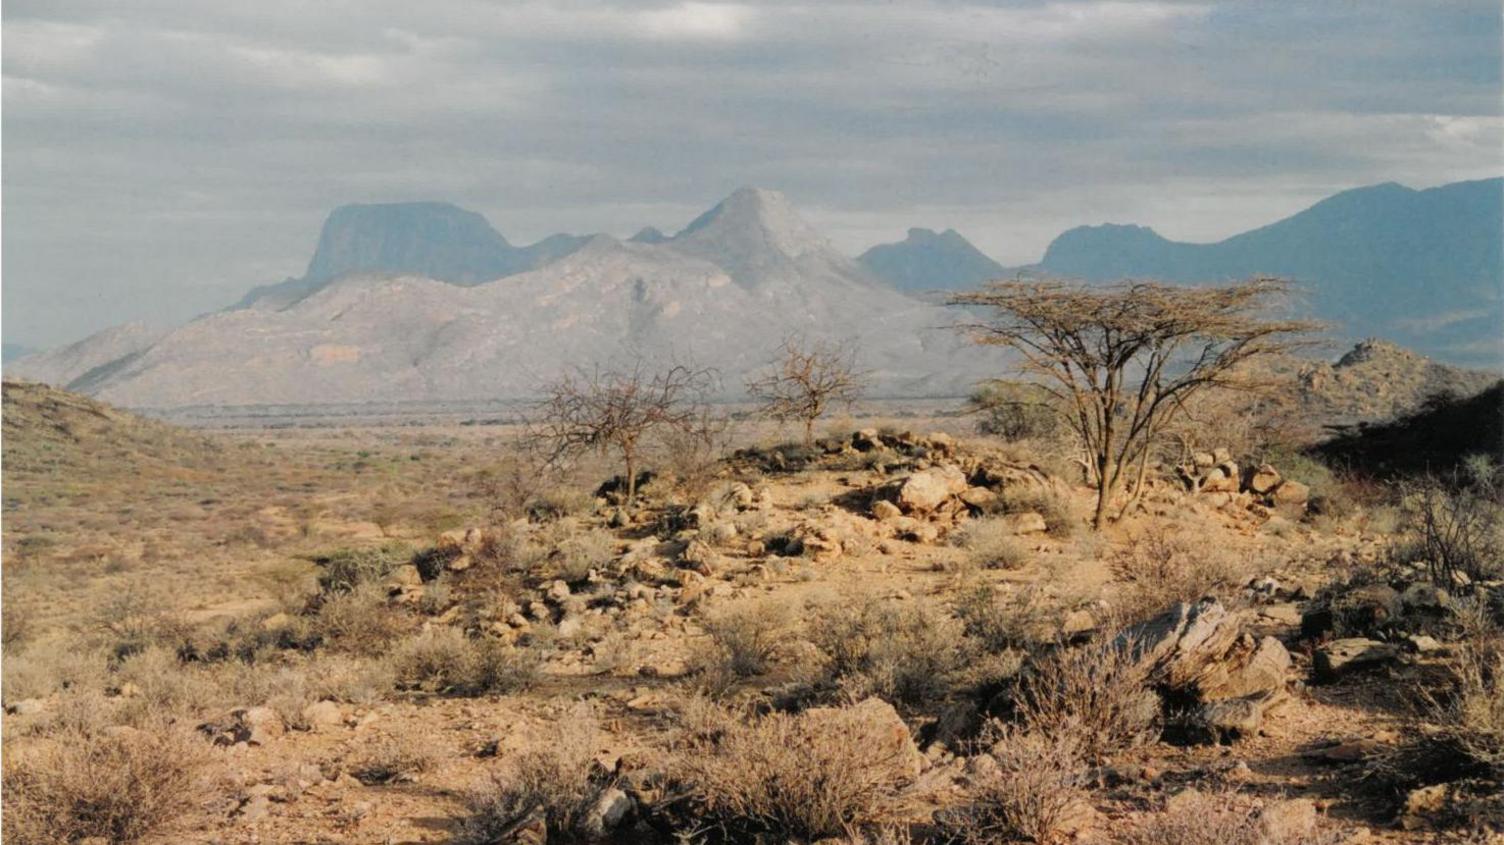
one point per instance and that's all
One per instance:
(926, 261)
(79, 365)
(431, 239)
(1425, 268)
(648, 235)
(724, 292)
(12, 351)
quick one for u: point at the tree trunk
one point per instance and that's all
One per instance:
(631, 477)
(809, 432)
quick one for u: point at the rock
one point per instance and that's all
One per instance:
(1287, 613)
(1027, 522)
(570, 627)
(915, 531)
(1291, 492)
(925, 490)
(459, 564)
(979, 498)
(1368, 607)
(1422, 644)
(1423, 804)
(885, 511)
(263, 724)
(1222, 455)
(26, 707)
(699, 556)
(1341, 657)
(1077, 622)
(404, 576)
(276, 622)
(1222, 478)
(606, 814)
(1233, 717)
(558, 591)
(1424, 596)
(756, 548)
(1262, 481)
(322, 715)
(866, 440)
(1204, 460)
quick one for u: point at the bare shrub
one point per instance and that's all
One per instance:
(17, 624)
(392, 759)
(746, 636)
(991, 544)
(1014, 619)
(1222, 818)
(804, 379)
(901, 651)
(358, 620)
(1095, 696)
(1033, 784)
(1015, 410)
(1458, 523)
(162, 686)
(615, 411)
(1158, 568)
(794, 776)
(118, 786)
(557, 780)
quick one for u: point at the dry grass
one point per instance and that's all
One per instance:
(906, 652)
(1471, 718)
(991, 544)
(1094, 696)
(392, 759)
(1159, 567)
(747, 636)
(1223, 818)
(1032, 786)
(807, 776)
(359, 620)
(557, 780)
(577, 554)
(118, 786)
(445, 660)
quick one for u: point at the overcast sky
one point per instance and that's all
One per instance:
(162, 157)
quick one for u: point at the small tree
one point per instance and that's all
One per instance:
(804, 379)
(1123, 359)
(615, 410)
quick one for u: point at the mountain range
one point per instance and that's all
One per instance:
(407, 321)
(426, 301)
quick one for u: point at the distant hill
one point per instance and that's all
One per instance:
(12, 351)
(723, 292)
(926, 261)
(1424, 268)
(435, 240)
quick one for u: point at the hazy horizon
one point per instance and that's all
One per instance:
(160, 164)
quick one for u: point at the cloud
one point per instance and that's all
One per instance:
(162, 162)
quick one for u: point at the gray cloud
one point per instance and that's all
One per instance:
(162, 157)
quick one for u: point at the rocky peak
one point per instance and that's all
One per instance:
(433, 239)
(750, 227)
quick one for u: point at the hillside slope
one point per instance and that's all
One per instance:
(926, 261)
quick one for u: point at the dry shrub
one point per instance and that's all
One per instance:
(1095, 696)
(1032, 789)
(355, 680)
(746, 636)
(163, 686)
(905, 652)
(344, 570)
(999, 620)
(1159, 568)
(445, 660)
(992, 545)
(1472, 717)
(392, 759)
(800, 777)
(574, 557)
(359, 620)
(53, 666)
(1200, 818)
(1063, 517)
(118, 786)
(17, 624)
(557, 778)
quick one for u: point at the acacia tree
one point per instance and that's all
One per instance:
(804, 379)
(1123, 359)
(609, 411)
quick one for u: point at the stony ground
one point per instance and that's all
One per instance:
(349, 709)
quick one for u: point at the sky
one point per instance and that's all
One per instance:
(160, 158)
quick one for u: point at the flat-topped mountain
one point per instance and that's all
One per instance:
(1425, 268)
(927, 261)
(435, 240)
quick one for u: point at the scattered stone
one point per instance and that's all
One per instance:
(885, 511)
(1291, 492)
(1263, 480)
(1027, 522)
(606, 814)
(322, 715)
(1342, 657)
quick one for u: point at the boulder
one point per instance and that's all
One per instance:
(1342, 657)
(979, 498)
(925, 490)
(1222, 478)
(322, 715)
(1027, 522)
(1262, 481)
(605, 814)
(1292, 492)
(885, 511)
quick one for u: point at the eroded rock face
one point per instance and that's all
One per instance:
(1343, 657)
